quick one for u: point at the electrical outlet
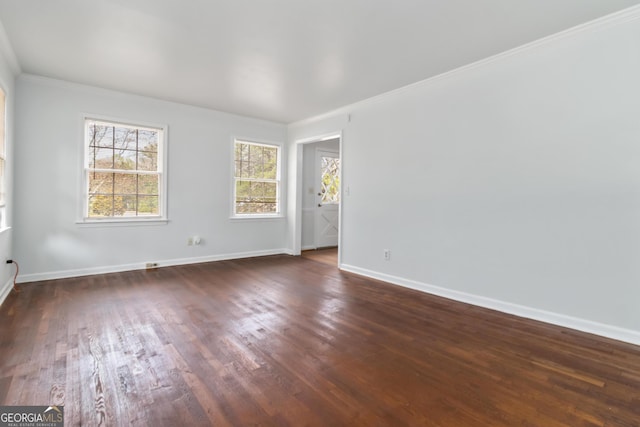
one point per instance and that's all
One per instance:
(387, 254)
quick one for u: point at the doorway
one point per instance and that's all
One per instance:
(321, 174)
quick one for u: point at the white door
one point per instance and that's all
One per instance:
(328, 198)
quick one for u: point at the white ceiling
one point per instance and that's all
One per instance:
(281, 60)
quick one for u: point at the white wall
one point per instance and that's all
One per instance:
(513, 183)
(310, 188)
(49, 243)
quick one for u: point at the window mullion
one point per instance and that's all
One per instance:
(94, 144)
(113, 194)
(137, 176)
(123, 171)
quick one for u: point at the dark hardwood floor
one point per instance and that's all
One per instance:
(327, 256)
(291, 341)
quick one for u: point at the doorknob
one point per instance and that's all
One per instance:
(319, 194)
(319, 205)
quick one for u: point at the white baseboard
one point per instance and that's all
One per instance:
(309, 248)
(608, 331)
(51, 275)
(6, 290)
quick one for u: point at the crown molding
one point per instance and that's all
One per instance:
(87, 88)
(617, 18)
(7, 51)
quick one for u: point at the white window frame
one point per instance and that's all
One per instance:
(3, 157)
(83, 210)
(248, 216)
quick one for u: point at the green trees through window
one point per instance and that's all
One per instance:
(330, 185)
(256, 178)
(123, 174)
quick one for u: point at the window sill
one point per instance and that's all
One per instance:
(121, 222)
(256, 217)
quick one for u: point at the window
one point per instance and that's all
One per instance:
(2, 147)
(3, 195)
(123, 171)
(2, 159)
(257, 179)
(330, 180)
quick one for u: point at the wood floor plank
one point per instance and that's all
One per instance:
(293, 341)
